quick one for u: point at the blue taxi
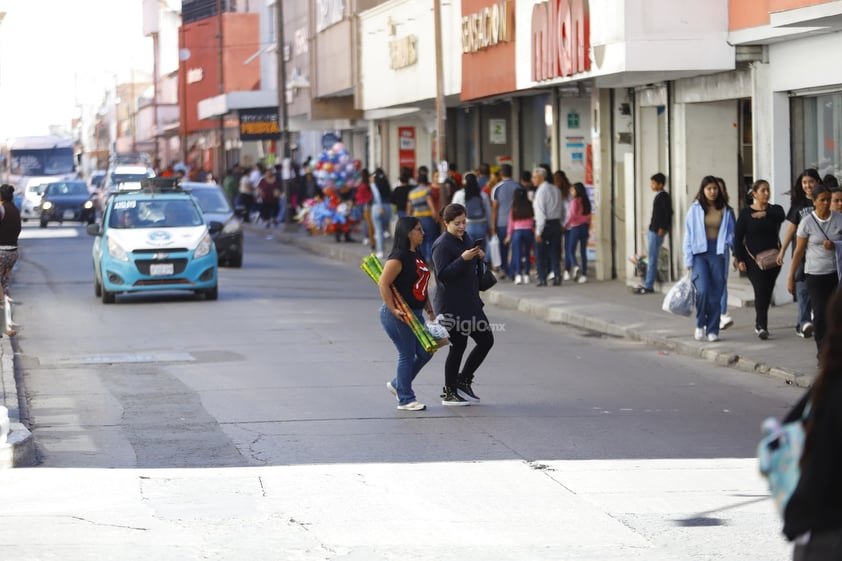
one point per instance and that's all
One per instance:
(153, 239)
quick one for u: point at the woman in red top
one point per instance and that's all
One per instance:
(270, 191)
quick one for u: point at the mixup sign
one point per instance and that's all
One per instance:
(560, 39)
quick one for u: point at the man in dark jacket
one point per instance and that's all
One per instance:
(659, 227)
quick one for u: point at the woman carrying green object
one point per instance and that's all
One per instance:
(405, 277)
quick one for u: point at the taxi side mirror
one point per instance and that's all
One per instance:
(94, 229)
(215, 227)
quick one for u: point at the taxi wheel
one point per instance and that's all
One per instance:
(107, 297)
(97, 288)
(236, 261)
(212, 293)
(43, 223)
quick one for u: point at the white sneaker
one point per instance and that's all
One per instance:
(713, 337)
(518, 279)
(575, 272)
(551, 276)
(566, 276)
(725, 321)
(414, 406)
(379, 255)
(582, 280)
(392, 390)
(365, 241)
(525, 279)
(699, 334)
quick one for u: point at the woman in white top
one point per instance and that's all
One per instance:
(814, 243)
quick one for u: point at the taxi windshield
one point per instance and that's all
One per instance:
(131, 214)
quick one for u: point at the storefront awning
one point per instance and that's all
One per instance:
(222, 105)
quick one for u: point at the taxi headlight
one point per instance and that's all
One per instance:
(88, 204)
(46, 205)
(116, 251)
(204, 246)
(232, 226)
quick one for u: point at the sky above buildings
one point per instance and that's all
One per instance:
(56, 55)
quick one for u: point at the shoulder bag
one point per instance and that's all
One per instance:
(766, 259)
(487, 278)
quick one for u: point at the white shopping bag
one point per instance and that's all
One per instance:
(494, 251)
(681, 297)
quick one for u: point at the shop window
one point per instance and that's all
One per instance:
(817, 134)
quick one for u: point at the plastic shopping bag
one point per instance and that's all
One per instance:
(494, 251)
(680, 299)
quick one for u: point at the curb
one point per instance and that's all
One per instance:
(19, 448)
(541, 311)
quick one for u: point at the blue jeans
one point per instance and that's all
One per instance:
(655, 243)
(577, 235)
(381, 221)
(709, 281)
(521, 242)
(724, 299)
(431, 232)
(411, 354)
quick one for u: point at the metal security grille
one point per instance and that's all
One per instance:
(195, 10)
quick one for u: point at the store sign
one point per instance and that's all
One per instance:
(329, 12)
(259, 124)
(560, 39)
(195, 75)
(486, 28)
(406, 147)
(403, 52)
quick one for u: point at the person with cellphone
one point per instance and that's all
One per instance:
(456, 260)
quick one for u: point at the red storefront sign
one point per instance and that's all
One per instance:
(406, 147)
(560, 39)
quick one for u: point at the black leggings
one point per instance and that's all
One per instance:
(763, 283)
(821, 288)
(478, 329)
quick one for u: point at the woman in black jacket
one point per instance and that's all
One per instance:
(757, 231)
(456, 262)
(813, 514)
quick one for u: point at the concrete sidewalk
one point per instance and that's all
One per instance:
(610, 307)
(19, 448)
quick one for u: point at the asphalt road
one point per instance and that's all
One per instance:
(273, 399)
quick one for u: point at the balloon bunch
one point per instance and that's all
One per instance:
(335, 166)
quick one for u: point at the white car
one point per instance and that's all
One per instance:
(31, 204)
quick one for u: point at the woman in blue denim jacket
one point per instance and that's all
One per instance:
(708, 233)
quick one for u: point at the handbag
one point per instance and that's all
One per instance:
(766, 259)
(487, 278)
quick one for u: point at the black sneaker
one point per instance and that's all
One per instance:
(465, 391)
(451, 398)
(643, 290)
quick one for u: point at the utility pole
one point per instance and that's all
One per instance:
(282, 109)
(155, 72)
(220, 171)
(440, 107)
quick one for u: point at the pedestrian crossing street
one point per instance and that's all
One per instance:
(52, 231)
